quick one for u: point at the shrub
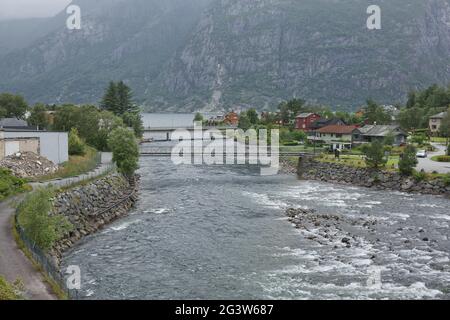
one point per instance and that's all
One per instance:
(125, 149)
(420, 176)
(76, 145)
(39, 225)
(446, 179)
(375, 155)
(408, 161)
(8, 291)
(10, 184)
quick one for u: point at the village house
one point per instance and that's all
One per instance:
(327, 122)
(435, 122)
(304, 121)
(337, 137)
(231, 119)
(370, 133)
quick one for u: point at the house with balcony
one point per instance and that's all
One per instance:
(337, 137)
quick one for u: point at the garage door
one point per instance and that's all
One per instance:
(11, 147)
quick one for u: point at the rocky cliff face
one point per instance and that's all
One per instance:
(258, 52)
(219, 54)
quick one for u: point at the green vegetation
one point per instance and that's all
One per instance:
(12, 106)
(198, 117)
(125, 151)
(39, 117)
(441, 158)
(118, 99)
(93, 125)
(77, 164)
(34, 215)
(422, 105)
(9, 291)
(76, 145)
(374, 153)
(408, 161)
(10, 184)
(374, 113)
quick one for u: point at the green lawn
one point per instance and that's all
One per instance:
(438, 139)
(358, 161)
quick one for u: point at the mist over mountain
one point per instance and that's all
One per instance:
(186, 55)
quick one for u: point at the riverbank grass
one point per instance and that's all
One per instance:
(10, 291)
(77, 165)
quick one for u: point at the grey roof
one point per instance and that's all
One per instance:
(439, 115)
(380, 131)
(13, 122)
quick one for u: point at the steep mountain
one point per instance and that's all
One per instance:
(119, 39)
(221, 54)
(259, 52)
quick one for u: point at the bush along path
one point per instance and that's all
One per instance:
(14, 264)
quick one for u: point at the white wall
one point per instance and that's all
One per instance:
(54, 145)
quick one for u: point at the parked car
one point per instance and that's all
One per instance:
(422, 154)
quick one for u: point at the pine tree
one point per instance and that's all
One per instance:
(124, 99)
(110, 99)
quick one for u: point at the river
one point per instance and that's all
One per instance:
(221, 232)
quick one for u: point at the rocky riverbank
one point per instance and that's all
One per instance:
(92, 206)
(312, 169)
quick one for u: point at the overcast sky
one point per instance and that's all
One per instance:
(13, 9)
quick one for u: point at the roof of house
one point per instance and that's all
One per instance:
(439, 115)
(306, 115)
(13, 122)
(380, 130)
(338, 129)
(327, 122)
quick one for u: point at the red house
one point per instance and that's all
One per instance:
(304, 121)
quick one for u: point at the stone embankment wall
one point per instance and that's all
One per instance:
(92, 206)
(311, 169)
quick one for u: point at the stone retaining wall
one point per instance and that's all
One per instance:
(92, 206)
(311, 169)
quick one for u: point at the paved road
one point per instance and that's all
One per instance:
(14, 264)
(429, 165)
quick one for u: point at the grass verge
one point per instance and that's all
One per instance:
(57, 290)
(75, 166)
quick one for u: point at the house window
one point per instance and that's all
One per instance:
(338, 135)
(434, 127)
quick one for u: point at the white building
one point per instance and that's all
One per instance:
(52, 145)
